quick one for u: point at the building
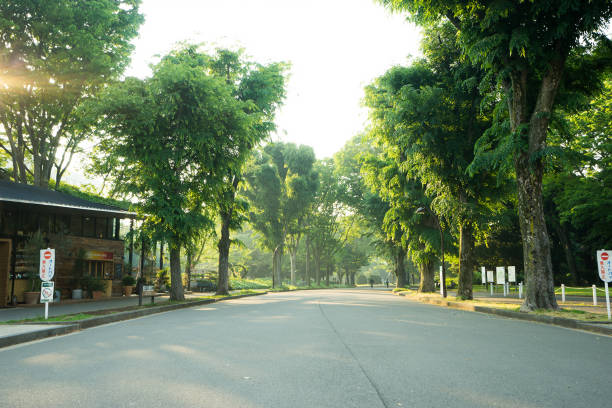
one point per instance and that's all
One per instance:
(71, 225)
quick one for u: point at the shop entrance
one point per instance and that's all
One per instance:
(5, 262)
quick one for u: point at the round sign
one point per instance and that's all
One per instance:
(604, 256)
(47, 254)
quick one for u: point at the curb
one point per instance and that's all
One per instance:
(553, 320)
(69, 327)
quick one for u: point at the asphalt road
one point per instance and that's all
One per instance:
(331, 348)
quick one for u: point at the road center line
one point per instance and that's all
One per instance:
(382, 400)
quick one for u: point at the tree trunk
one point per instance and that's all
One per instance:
(318, 268)
(400, 267)
(224, 248)
(292, 258)
(427, 277)
(307, 261)
(176, 290)
(327, 273)
(466, 260)
(532, 128)
(537, 263)
(188, 269)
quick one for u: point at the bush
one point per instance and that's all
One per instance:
(163, 278)
(247, 284)
(205, 285)
(361, 279)
(91, 284)
(128, 280)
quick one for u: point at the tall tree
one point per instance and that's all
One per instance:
(281, 188)
(54, 55)
(528, 46)
(170, 136)
(261, 88)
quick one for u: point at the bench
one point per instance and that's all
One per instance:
(149, 291)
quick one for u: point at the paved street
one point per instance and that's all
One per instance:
(328, 348)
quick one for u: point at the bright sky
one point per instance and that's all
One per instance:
(336, 47)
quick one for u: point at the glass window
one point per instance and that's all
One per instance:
(100, 269)
(8, 222)
(62, 224)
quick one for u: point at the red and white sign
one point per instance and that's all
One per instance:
(604, 265)
(47, 264)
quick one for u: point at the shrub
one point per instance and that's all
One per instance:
(128, 280)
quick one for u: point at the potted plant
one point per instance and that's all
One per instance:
(78, 271)
(94, 286)
(128, 284)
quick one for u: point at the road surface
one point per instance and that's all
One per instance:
(312, 349)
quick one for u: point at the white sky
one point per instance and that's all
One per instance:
(336, 47)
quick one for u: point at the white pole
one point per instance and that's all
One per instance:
(520, 290)
(563, 293)
(594, 295)
(46, 310)
(608, 301)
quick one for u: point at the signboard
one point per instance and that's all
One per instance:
(98, 256)
(148, 290)
(47, 264)
(46, 292)
(512, 274)
(501, 275)
(483, 275)
(490, 277)
(604, 265)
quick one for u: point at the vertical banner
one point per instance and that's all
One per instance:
(511, 274)
(483, 274)
(501, 275)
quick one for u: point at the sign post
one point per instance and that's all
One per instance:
(46, 273)
(604, 267)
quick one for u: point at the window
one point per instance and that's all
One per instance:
(75, 225)
(101, 227)
(99, 269)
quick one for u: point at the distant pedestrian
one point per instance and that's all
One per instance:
(371, 282)
(387, 282)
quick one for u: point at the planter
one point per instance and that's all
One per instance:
(31, 298)
(97, 294)
(77, 293)
(128, 290)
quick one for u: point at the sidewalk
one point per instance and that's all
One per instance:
(72, 307)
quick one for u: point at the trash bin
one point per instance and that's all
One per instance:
(57, 296)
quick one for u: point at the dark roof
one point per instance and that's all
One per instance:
(26, 194)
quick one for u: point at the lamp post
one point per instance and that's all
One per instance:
(422, 210)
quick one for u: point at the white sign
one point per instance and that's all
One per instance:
(483, 274)
(501, 275)
(46, 292)
(490, 276)
(512, 274)
(604, 265)
(47, 264)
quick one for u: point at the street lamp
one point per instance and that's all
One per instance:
(422, 210)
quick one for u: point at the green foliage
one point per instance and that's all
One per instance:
(162, 278)
(128, 280)
(55, 55)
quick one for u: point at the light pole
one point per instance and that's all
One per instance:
(422, 210)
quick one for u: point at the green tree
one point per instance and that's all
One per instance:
(261, 88)
(534, 49)
(281, 188)
(54, 55)
(169, 137)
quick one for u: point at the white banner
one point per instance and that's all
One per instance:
(512, 274)
(490, 277)
(483, 275)
(501, 275)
